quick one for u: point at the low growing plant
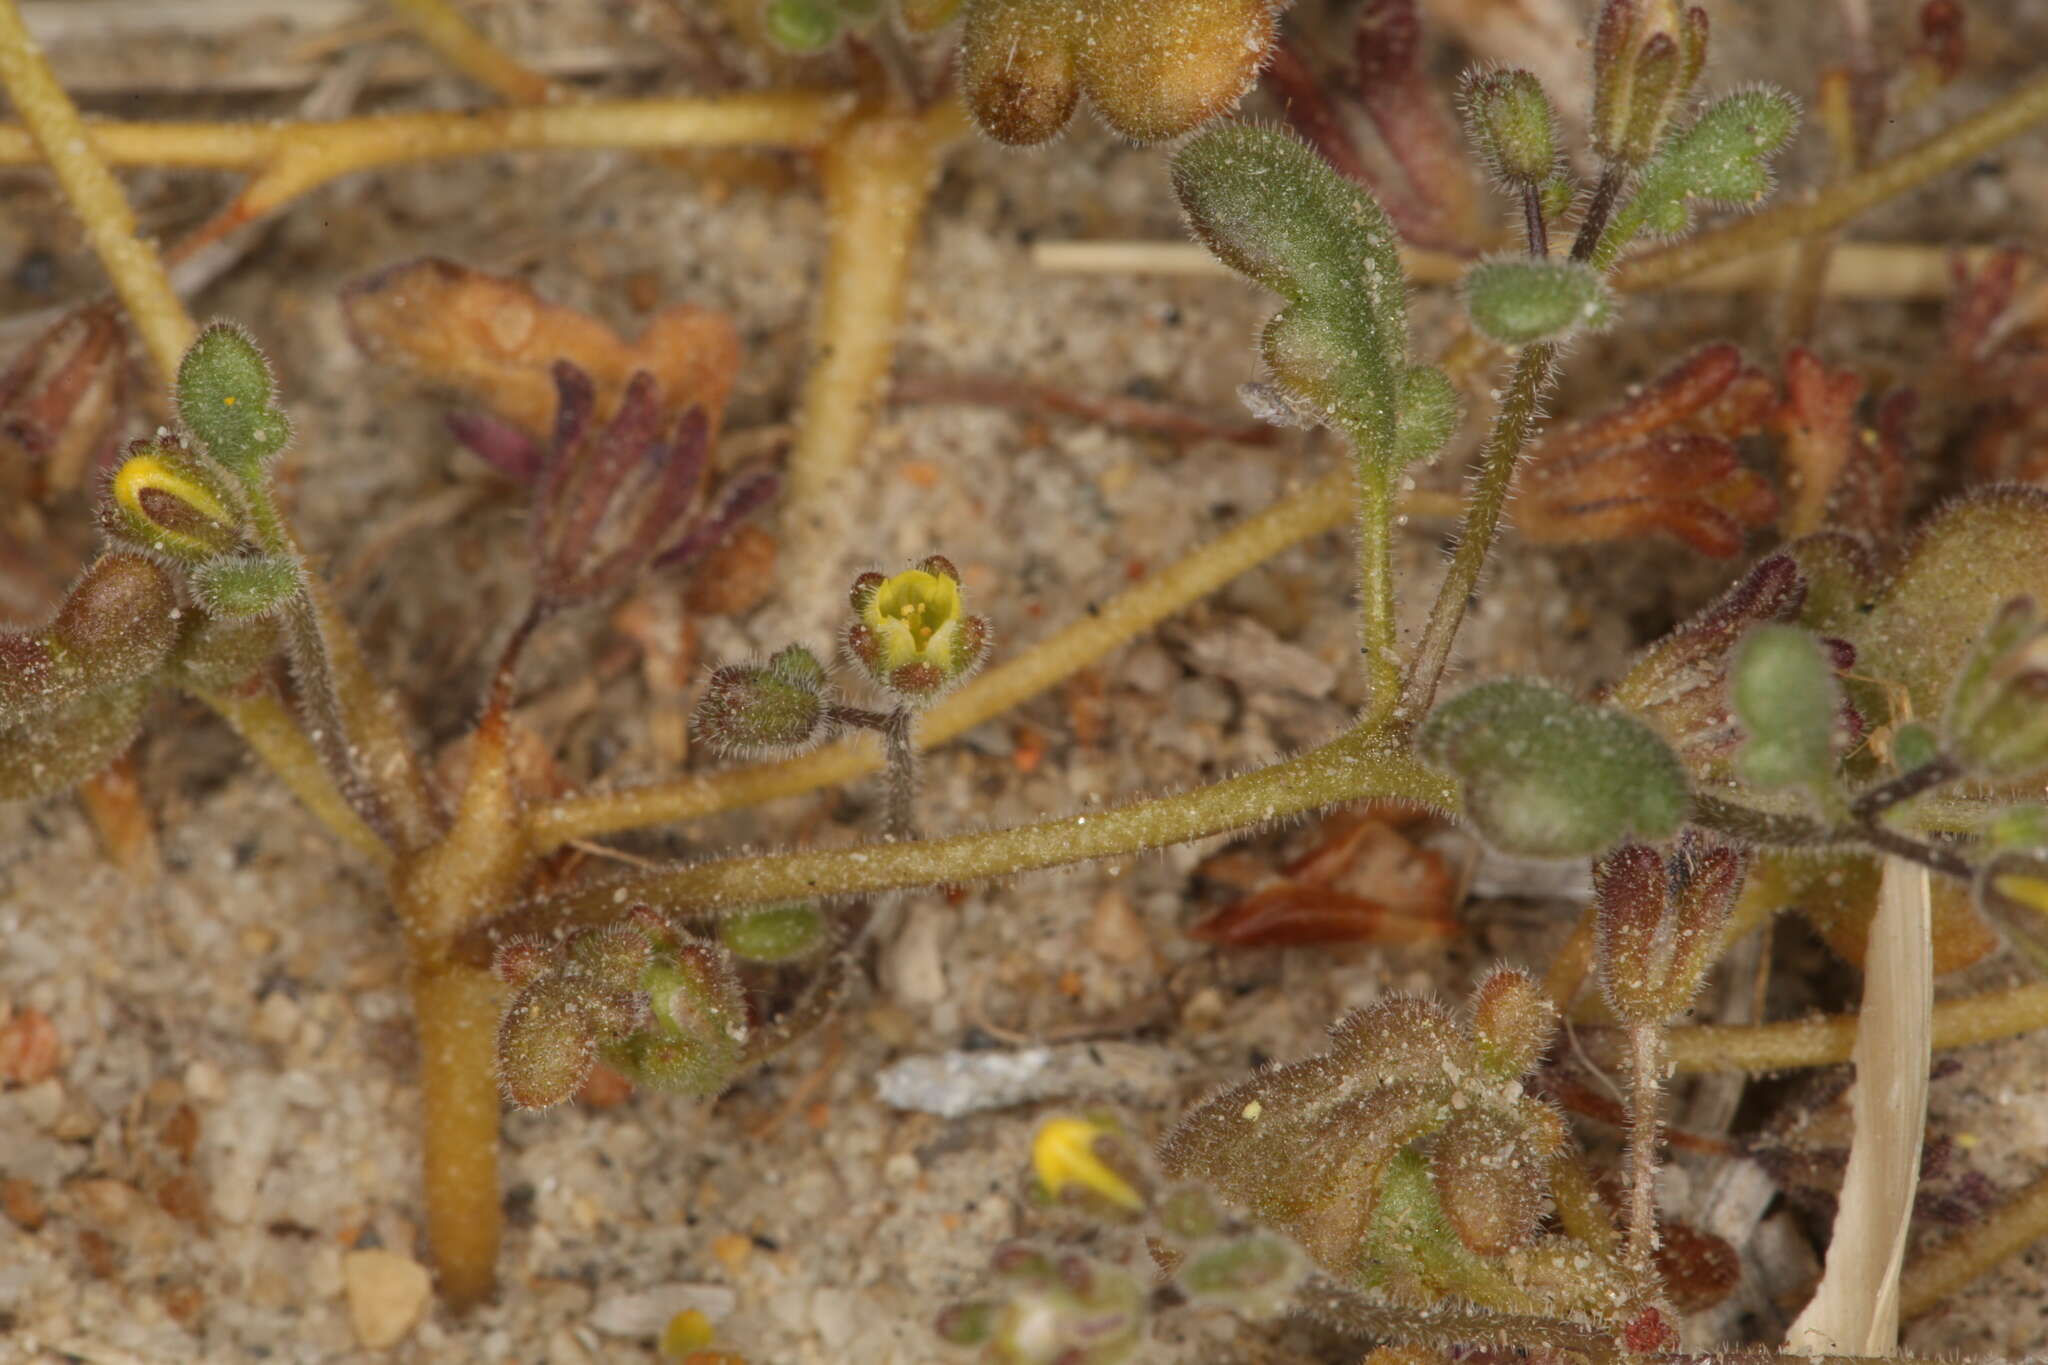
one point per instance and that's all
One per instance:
(1866, 703)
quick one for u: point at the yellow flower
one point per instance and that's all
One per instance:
(911, 633)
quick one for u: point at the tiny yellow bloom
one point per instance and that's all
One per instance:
(911, 633)
(689, 1330)
(1063, 1153)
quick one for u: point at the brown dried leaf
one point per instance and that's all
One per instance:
(497, 341)
(1362, 882)
(1664, 461)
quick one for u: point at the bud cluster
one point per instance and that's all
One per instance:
(1647, 55)
(663, 1008)
(1409, 1130)
(1659, 918)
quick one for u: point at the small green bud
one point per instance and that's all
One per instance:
(1516, 301)
(1513, 1022)
(1255, 1275)
(1782, 689)
(801, 26)
(1511, 119)
(236, 586)
(167, 499)
(697, 1033)
(776, 706)
(773, 933)
(1548, 776)
(1914, 746)
(1659, 922)
(227, 399)
(1997, 717)
(968, 1324)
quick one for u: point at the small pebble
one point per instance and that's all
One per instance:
(387, 1295)
(647, 1312)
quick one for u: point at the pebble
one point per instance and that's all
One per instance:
(644, 1312)
(387, 1295)
(1115, 933)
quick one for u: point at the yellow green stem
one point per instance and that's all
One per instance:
(1827, 1039)
(268, 727)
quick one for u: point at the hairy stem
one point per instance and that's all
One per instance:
(1645, 1093)
(1320, 506)
(1512, 427)
(1376, 588)
(1824, 1040)
(877, 173)
(1820, 212)
(263, 722)
(1946, 1267)
(58, 136)
(1904, 787)
(455, 1008)
(444, 29)
(1354, 766)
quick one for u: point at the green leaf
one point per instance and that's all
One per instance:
(1546, 775)
(227, 399)
(247, 585)
(1274, 211)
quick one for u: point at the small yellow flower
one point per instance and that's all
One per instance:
(1064, 1153)
(911, 633)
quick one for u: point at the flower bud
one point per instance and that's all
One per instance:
(227, 399)
(779, 705)
(1512, 121)
(1647, 55)
(1548, 776)
(1017, 69)
(116, 626)
(696, 1034)
(912, 635)
(1157, 70)
(1489, 1180)
(546, 1047)
(773, 933)
(1517, 301)
(1513, 1022)
(1659, 923)
(167, 499)
(1997, 717)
